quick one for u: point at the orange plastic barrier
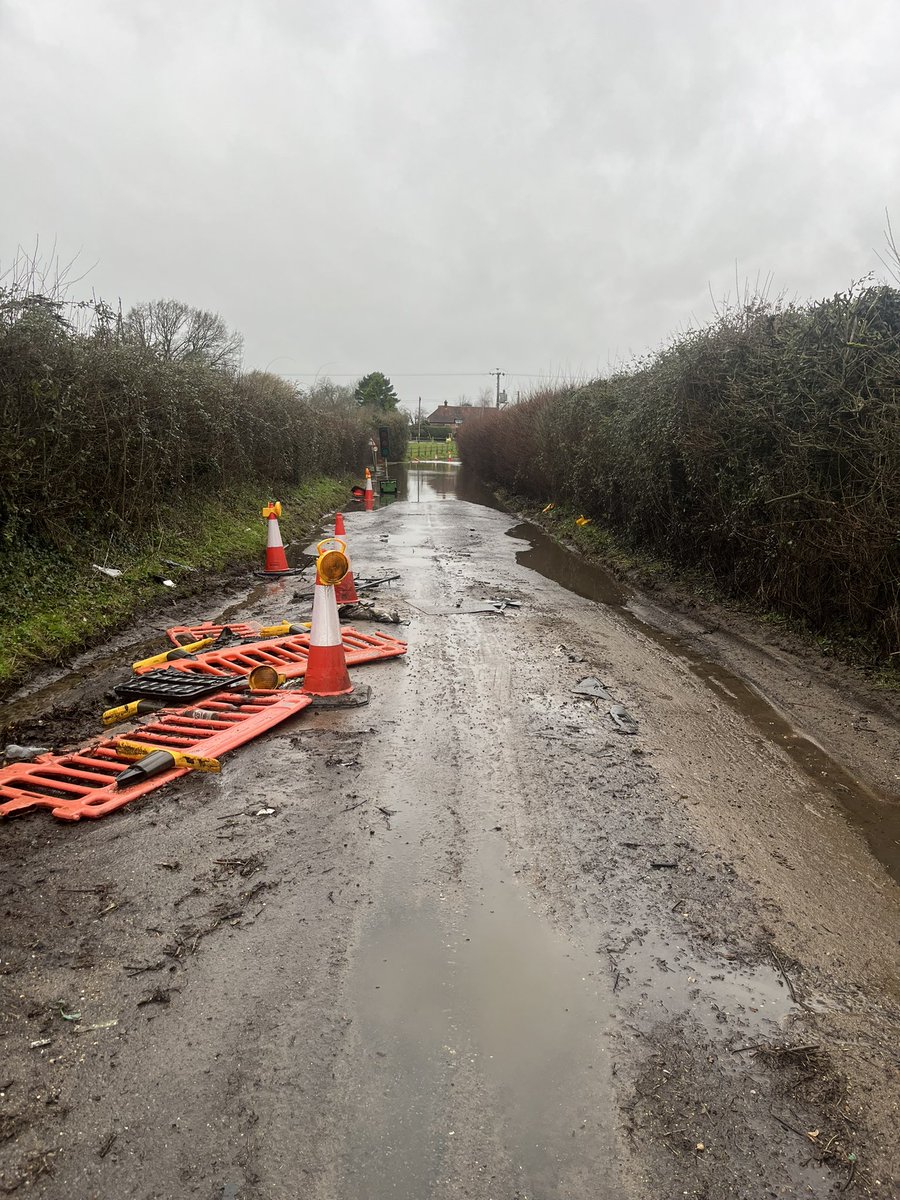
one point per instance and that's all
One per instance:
(181, 635)
(83, 783)
(287, 654)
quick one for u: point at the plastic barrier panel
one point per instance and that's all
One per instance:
(83, 783)
(287, 655)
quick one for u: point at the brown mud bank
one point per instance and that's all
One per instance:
(475, 940)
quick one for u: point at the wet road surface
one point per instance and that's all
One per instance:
(486, 944)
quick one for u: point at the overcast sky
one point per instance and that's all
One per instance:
(433, 186)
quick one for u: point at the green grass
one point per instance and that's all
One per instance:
(54, 603)
(416, 451)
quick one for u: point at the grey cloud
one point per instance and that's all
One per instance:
(436, 186)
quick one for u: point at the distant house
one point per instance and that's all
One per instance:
(450, 416)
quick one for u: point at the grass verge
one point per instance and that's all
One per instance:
(425, 451)
(53, 602)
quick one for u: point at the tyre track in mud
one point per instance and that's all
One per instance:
(462, 974)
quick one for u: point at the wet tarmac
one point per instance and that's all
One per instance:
(875, 813)
(482, 944)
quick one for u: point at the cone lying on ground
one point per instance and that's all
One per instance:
(345, 591)
(370, 495)
(326, 667)
(276, 559)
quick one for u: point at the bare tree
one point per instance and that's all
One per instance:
(176, 332)
(327, 396)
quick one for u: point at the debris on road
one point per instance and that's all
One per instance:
(623, 720)
(368, 612)
(589, 686)
(23, 754)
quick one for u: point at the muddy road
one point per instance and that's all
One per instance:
(475, 939)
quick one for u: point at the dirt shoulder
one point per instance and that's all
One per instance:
(848, 709)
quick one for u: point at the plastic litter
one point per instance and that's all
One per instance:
(589, 686)
(111, 572)
(368, 612)
(19, 754)
(623, 719)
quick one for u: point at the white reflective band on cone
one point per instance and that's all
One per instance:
(326, 624)
(273, 534)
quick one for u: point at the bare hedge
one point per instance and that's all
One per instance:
(764, 448)
(97, 431)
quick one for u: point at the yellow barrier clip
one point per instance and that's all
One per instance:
(170, 655)
(125, 712)
(193, 762)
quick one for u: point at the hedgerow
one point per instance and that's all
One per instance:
(763, 448)
(98, 430)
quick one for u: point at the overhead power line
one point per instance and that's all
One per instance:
(424, 374)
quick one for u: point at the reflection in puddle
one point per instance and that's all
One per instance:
(486, 995)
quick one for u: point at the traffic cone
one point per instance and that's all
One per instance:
(326, 666)
(276, 559)
(370, 496)
(345, 591)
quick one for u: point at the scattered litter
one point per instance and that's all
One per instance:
(159, 995)
(368, 612)
(107, 1145)
(590, 686)
(623, 719)
(41, 1043)
(485, 606)
(99, 1025)
(18, 754)
(265, 812)
(582, 521)
(111, 572)
(571, 655)
(548, 508)
(72, 1016)
(373, 583)
(168, 562)
(660, 866)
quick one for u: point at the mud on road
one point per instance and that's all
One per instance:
(473, 940)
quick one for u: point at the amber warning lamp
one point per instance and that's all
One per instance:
(332, 564)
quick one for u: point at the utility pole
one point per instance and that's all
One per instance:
(419, 435)
(498, 373)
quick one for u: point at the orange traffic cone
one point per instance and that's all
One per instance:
(276, 560)
(345, 591)
(370, 495)
(326, 667)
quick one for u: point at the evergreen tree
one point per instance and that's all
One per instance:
(376, 391)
